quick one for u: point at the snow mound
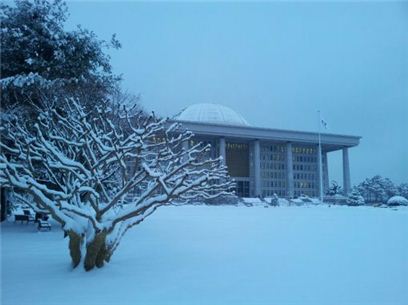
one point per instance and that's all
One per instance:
(283, 202)
(305, 200)
(253, 201)
(397, 200)
(211, 113)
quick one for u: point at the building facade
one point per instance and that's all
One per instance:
(265, 161)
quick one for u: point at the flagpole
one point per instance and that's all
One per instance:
(320, 161)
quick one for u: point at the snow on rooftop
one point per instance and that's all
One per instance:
(211, 113)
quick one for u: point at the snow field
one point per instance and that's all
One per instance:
(223, 255)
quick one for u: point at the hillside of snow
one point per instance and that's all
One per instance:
(222, 255)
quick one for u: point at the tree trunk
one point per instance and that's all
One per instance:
(3, 202)
(101, 257)
(75, 241)
(96, 252)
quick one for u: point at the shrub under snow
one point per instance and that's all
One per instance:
(397, 200)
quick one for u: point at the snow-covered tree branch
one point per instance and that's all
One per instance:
(99, 174)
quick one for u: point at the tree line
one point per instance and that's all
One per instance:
(379, 189)
(376, 189)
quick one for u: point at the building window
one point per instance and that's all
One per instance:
(237, 155)
(242, 188)
(274, 158)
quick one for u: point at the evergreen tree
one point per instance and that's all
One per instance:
(355, 198)
(42, 62)
(377, 189)
(334, 189)
(403, 190)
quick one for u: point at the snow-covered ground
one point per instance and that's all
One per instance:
(222, 255)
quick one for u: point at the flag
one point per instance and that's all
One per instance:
(324, 123)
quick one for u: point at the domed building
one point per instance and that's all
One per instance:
(212, 114)
(266, 161)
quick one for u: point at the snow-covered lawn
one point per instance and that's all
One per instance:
(222, 255)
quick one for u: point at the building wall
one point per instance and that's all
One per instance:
(273, 169)
(305, 170)
(273, 172)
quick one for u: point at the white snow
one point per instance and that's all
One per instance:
(316, 255)
(212, 113)
(253, 201)
(22, 80)
(398, 200)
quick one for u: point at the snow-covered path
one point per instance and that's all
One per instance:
(222, 255)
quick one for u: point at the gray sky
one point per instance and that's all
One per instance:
(276, 63)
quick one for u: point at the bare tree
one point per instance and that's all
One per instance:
(98, 179)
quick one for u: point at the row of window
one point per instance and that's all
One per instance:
(272, 157)
(305, 167)
(278, 150)
(278, 157)
(282, 175)
(304, 176)
(273, 175)
(273, 148)
(274, 184)
(308, 159)
(282, 149)
(304, 185)
(303, 150)
(270, 193)
(272, 166)
(242, 146)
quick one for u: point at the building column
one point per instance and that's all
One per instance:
(326, 174)
(289, 171)
(223, 153)
(320, 185)
(257, 167)
(346, 171)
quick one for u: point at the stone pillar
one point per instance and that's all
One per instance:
(257, 167)
(223, 153)
(320, 186)
(346, 171)
(326, 174)
(289, 171)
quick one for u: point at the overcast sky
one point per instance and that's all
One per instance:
(276, 63)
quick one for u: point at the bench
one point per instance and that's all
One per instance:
(43, 224)
(30, 216)
(21, 218)
(41, 216)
